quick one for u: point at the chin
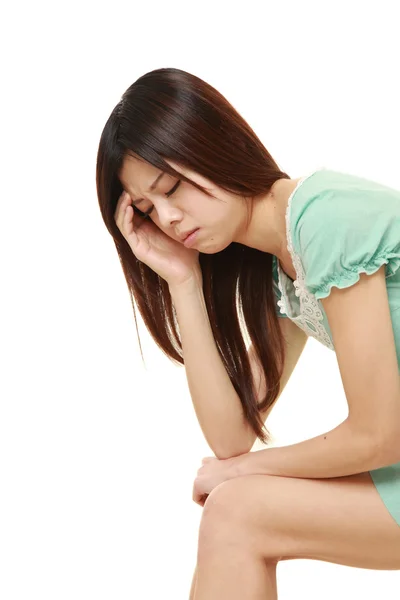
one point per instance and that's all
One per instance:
(213, 247)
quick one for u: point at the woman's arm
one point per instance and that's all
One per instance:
(342, 451)
(216, 403)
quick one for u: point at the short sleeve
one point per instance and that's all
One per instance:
(275, 284)
(342, 233)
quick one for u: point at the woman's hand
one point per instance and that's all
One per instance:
(167, 257)
(212, 472)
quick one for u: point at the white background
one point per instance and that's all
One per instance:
(98, 454)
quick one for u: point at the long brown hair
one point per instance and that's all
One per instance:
(169, 114)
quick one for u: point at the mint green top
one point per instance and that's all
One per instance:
(338, 226)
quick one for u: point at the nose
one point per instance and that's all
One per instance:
(168, 215)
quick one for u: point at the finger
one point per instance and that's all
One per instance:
(129, 218)
(195, 496)
(199, 499)
(119, 202)
(117, 213)
(129, 225)
(123, 201)
(125, 216)
(202, 500)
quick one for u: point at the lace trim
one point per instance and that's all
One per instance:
(310, 317)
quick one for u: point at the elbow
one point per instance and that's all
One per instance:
(236, 444)
(384, 451)
(376, 446)
(391, 447)
(224, 453)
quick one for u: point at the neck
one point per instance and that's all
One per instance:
(267, 227)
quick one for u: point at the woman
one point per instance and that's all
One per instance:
(322, 252)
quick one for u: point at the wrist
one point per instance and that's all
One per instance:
(237, 466)
(192, 284)
(252, 463)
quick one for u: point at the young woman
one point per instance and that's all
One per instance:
(323, 253)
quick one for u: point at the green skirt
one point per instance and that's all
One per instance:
(387, 482)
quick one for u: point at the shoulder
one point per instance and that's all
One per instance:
(342, 225)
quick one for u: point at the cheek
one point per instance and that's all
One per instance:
(155, 219)
(168, 233)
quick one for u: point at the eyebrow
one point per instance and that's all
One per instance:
(152, 187)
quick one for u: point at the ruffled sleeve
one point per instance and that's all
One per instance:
(345, 232)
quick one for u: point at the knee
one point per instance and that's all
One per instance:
(225, 515)
(243, 513)
(227, 501)
(236, 499)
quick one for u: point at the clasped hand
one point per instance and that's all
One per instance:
(213, 472)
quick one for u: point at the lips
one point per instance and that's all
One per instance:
(186, 235)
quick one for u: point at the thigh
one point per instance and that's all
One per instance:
(340, 520)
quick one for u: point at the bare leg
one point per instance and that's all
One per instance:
(235, 574)
(251, 523)
(192, 589)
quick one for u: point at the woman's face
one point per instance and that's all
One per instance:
(177, 207)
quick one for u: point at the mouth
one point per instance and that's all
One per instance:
(188, 234)
(191, 238)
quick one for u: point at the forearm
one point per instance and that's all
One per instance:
(337, 453)
(216, 403)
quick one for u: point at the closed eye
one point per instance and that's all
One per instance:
(148, 212)
(172, 190)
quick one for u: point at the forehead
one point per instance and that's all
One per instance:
(137, 172)
(137, 175)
